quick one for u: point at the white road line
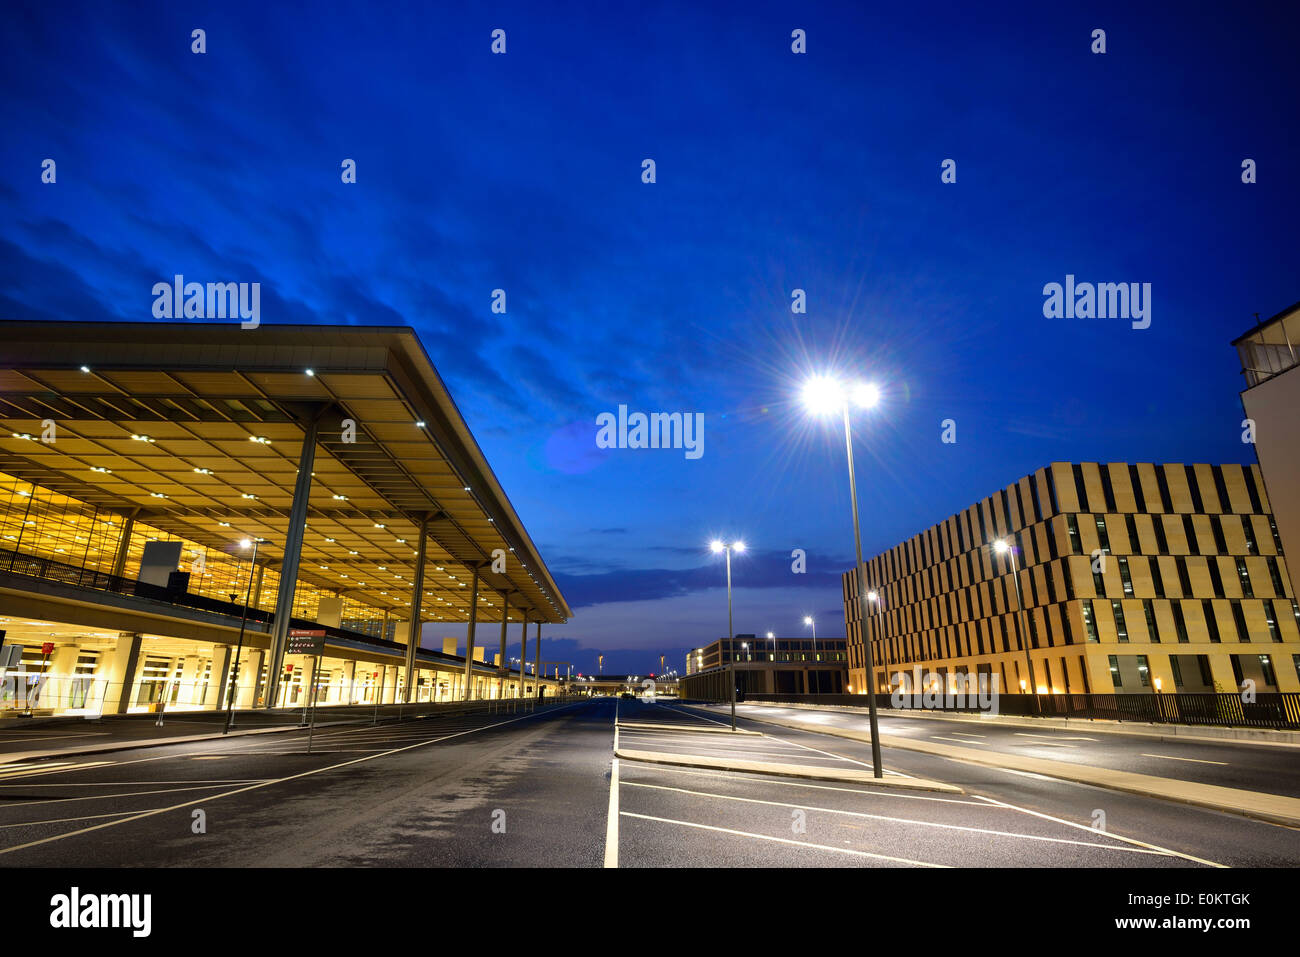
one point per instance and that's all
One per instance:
(939, 737)
(104, 797)
(783, 840)
(269, 783)
(969, 734)
(899, 820)
(1170, 757)
(66, 820)
(1117, 837)
(611, 818)
(1050, 737)
(731, 776)
(8, 774)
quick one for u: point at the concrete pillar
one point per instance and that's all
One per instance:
(220, 672)
(292, 554)
(417, 595)
(501, 658)
(257, 586)
(350, 681)
(191, 669)
(249, 677)
(523, 654)
(469, 638)
(124, 545)
(128, 669)
(537, 660)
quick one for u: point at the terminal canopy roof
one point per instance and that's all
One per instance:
(197, 428)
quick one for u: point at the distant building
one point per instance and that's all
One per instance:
(1135, 578)
(775, 665)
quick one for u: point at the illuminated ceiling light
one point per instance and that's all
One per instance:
(420, 424)
(340, 498)
(467, 488)
(224, 524)
(378, 525)
(247, 495)
(204, 471)
(142, 438)
(383, 568)
(311, 372)
(350, 552)
(85, 368)
(157, 495)
(23, 435)
(401, 541)
(259, 439)
(101, 470)
(330, 540)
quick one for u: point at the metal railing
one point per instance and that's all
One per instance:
(1268, 709)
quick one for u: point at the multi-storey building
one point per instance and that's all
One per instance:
(1135, 578)
(776, 665)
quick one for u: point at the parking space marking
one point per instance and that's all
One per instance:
(902, 820)
(782, 840)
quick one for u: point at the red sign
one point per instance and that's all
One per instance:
(47, 648)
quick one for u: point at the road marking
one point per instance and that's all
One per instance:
(272, 781)
(1170, 757)
(1117, 837)
(731, 776)
(65, 820)
(939, 737)
(19, 771)
(968, 734)
(783, 840)
(54, 737)
(104, 797)
(1051, 737)
(611, 818)
(900, 820)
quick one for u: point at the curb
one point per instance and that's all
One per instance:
(848, 776)
(689, 728)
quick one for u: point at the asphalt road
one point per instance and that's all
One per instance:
(1234, 764)
(544, 789)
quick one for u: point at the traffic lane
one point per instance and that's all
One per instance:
(1214, 836)
(633, 710)
(1267, 769)
(771, 750)
(419, 806)
(678, 816)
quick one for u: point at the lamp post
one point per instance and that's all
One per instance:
(810, 620)
(1001, 546)
(822, 395)
(719, 546)
(879, 602)
(239, 648)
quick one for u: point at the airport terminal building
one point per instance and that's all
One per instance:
(179, 497)
(1135, 578)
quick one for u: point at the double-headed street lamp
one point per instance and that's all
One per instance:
(720, 546)
(811, 621)
(1003, 547)
(822, 395)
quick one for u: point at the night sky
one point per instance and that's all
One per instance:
(775, 171)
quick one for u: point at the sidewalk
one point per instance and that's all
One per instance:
(63, 737)
(1159, 732)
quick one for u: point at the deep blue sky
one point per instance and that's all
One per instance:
(775, 171)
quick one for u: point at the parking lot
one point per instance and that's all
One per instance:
(689, 816)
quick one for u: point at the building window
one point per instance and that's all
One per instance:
(1244, 575)
(1216, 526)
(1080, 488)
(1225, 504)
(1158, 526)
(1177, 669)
(1189, 532)
(1098, 583)
(1248, 530)
(1103, 536)
(1194, 488)
(1136, 481)
(1236, 670)
(1121, 627)
(1266, 666)
(1180, 624)
(1216, 580)
(1271, 621)
(1162, 484)
(1275, 575)
(1211, 622)
(1184, 580)
(1114, 671)
(1239, 617)
(1144, 672)
(1149, 612)
(1157, 579)
(1072, 524)
(1089, 625)
(1130, 526)
(1125, 576)
(1277, 542)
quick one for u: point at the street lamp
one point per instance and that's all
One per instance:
(239, 648)
(875, 598)
(809, 620)
(822, 395)
(1003, 547)
(720, 546)
(772, 638)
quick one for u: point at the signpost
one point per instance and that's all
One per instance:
(304, 641)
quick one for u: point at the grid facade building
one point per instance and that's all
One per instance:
(1135, 578)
